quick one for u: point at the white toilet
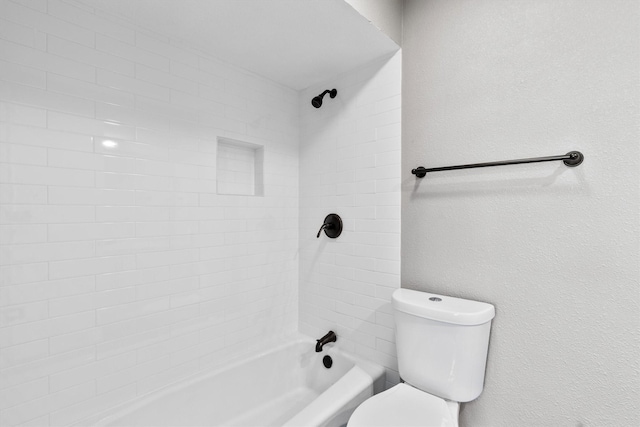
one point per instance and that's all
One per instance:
(442, 345)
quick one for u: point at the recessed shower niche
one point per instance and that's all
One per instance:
(240, 168)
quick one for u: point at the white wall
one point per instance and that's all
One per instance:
(350, 165)
(556, 249)
(384, 14)
(121, 268)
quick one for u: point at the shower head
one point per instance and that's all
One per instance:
(317, 101)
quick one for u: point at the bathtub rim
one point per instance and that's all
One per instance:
(104, 417)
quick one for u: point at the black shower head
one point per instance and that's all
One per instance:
(317, 101)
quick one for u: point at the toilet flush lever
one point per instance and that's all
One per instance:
(332, 226)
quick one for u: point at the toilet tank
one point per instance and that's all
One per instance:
(442, 343)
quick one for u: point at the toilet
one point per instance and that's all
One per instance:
(442, 344)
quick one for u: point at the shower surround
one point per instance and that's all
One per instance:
(121, 268)
(350, 165)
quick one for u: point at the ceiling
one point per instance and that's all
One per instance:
(294, 42)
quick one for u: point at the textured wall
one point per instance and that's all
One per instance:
(121, 269)
(556, 249)
(350, 165)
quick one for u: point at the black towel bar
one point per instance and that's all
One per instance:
(572, 158)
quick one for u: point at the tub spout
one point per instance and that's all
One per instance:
(330, 337)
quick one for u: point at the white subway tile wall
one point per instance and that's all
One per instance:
(121, 269)
(350, 165)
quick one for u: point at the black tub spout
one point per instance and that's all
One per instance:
(330, 337)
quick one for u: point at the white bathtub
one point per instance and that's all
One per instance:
(287, 386)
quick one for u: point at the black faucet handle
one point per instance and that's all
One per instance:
(332, 226)
(324, 226)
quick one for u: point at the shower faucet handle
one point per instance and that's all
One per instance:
(332, 226)
(324, 226)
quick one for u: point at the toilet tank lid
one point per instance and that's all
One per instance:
(442, 308)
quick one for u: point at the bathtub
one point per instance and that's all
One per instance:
(286, 386)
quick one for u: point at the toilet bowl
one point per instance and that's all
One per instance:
(442, 345)
(404, 406)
